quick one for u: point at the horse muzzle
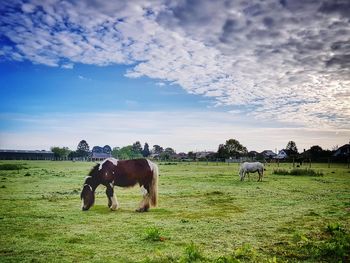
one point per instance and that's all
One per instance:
(84, 208)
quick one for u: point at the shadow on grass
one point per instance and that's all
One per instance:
(103, 209)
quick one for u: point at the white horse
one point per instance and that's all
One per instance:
(247, 168)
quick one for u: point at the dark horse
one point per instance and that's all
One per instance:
(125, 174)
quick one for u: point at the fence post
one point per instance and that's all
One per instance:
(310, 163)
(293, 163)
(329, 163)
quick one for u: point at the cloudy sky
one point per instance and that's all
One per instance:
(184, 74)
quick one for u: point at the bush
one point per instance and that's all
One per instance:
(297, 172)
(245, 252)
(332, 244)
(168, 163)
(227, 259)
(153, 234)
(337, 244)
(192, 254)
(12, 166)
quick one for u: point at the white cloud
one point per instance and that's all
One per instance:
(160, 84)
(83, 78)
(285, 61)
(68, 66)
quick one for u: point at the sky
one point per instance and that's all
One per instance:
(182, 74)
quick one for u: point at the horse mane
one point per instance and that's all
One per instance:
(94, 170)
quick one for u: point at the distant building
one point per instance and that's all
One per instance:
(203, 154)
(283, 154)
(100, 153)
(343, 151)
(268, 154)
(180, 156)
(26, 155)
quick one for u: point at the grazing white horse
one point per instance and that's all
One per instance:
(247, 168)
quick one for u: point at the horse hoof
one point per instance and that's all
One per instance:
(141, 209)
(114, 207)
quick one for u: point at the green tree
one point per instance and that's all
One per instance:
(83, 149)
(60, 153)
(222, 152)
(72, 155)
(316, 153)
(167, 154)
(157, 149)
(231, 148)
(291, 146)
(169, 151)
(145, 151)
(137, 148)
(191, 155)
(115, 152)
(127, 152)
(315, 150)
(234, 148)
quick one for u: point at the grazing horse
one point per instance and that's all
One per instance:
(247, 168)
(125, 174)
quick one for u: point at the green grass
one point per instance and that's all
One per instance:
(205, 214)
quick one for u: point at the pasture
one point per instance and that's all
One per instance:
(205, 214)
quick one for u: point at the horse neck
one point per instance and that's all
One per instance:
(93, 178)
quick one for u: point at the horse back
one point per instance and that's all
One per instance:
(132, 172)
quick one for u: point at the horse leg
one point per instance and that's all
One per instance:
(242, 176)
(112, 200)
(145, 203)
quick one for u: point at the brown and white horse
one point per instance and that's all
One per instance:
(126, 173)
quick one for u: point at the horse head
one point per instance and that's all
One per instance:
(87, 196)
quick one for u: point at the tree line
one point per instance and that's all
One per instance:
(126, 152)
(231, 149)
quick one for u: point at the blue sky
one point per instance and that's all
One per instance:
(184, 74)
(31, 89)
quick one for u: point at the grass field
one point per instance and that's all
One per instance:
(205, 214)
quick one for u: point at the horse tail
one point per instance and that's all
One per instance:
(154, 185)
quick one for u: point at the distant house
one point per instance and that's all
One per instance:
(283, 154)
(203, 154)
(343, 151)
(180, 156)
(100, 153)
(268, 154)
(26, 155)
